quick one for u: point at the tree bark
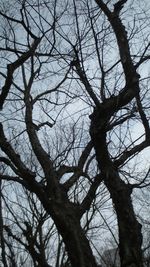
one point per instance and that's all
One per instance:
(67, 220)
(130, 237)
(77, 245)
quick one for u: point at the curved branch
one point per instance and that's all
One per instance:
(12, 67)
(15, 158)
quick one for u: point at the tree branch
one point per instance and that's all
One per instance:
(84, 80)
(85, 205)
(15, 158)
(128, 153)
(12, 67)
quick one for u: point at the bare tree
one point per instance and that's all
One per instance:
(89, 57)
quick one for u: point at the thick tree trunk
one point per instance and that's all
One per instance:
(130, 237)
(67, 220)
(77, 245)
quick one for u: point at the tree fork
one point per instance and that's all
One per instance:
(66, 216)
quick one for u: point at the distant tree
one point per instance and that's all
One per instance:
(74, 90)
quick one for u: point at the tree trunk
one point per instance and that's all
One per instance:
(67, 220)
(130, 237)
(77, 245)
